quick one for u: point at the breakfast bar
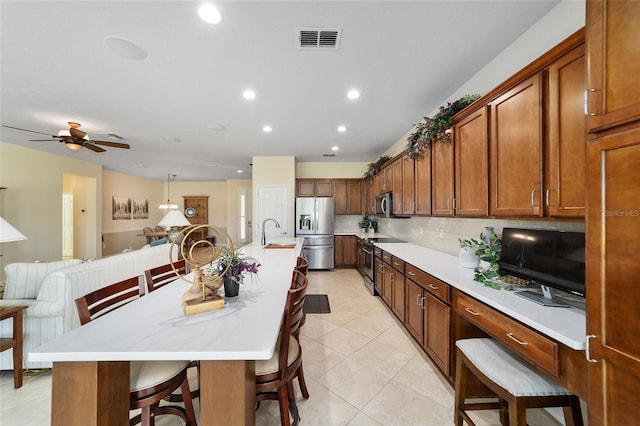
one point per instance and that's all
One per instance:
(91, 363)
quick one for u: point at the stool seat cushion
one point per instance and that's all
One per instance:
(270, 366)
(506, 370)
(146, 374)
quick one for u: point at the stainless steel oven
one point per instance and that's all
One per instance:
(368, 255)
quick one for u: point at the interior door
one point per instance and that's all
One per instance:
(272, 202)
(67, 226)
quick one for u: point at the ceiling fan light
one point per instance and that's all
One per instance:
(73, 145)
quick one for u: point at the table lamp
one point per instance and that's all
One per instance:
(174, 220)
(8, 233)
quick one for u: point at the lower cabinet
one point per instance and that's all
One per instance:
(428, 315)
(345, 247)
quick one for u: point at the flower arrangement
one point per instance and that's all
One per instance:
(373, 168)
(234, 266)
(436, 128)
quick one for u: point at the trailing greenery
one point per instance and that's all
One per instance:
(373, 168)
(436, 128)
(489, 249)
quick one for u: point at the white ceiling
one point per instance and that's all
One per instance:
(406, 58)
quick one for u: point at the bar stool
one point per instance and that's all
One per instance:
(515, 383)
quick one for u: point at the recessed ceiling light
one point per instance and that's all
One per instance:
(239, 171)
(209, 14)
(334, 148)
(267, 129)
(249, 94)
(125, 48)
(353, 94)
(342, 129)
(216, 126)
(211, 165)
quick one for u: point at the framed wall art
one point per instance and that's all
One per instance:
(140, 208)
(120, 208)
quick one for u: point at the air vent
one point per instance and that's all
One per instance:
(328, 155)
(319, 38)
(111, 136)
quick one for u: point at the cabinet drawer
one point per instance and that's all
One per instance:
(378, 252)
(387, 257)
(398, 264)
(429, 283)
(526, 342)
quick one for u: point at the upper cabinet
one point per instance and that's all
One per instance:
(347, 193)
(565, 160)
(314, 188)
(471, 152)
(612, 93)
(516, 150)
(442, 178)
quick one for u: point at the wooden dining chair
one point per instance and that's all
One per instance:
(149, 381)
(146, 231)
(162, 275)
(274, 377)
(159, 277)
(302, 265)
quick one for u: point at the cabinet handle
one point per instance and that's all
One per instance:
(586, 350)
(520, 342)
(422, 303)
(411, 273)
(392, 276)
(533, 197)
(546, 197)
(454, 203)
(586, 102)
(433, 287)
(396, 263)
(472, 312)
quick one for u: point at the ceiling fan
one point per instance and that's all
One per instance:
(75, 139)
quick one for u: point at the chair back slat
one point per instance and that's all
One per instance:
(106, 299)
(162, 275)
(302, 265)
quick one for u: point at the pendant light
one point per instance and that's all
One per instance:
(169, 204)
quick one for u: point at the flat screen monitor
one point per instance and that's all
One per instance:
(553, 259)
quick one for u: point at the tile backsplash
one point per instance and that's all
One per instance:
(442, 233)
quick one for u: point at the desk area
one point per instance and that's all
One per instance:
(91, 362)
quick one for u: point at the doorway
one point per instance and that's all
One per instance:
(79, 217)
(272, 202)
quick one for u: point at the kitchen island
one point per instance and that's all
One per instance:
(90, 363)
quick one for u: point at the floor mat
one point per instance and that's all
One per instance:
(316, 304)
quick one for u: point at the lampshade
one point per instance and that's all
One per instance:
(9, 233)
(174, 218)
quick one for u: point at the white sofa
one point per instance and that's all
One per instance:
(50, 289)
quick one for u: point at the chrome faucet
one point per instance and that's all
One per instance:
(264, 239)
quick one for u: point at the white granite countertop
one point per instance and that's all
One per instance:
(566, 325)
(154, 327)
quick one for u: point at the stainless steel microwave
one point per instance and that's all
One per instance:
(384, 204)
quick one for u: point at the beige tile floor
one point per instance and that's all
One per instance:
(361, 368)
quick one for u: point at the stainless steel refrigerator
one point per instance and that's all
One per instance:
(314, 222)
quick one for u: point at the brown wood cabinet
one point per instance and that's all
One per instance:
(612, 79)
(442, 178)
(398, 288)
(339, 194)
(378, 276)
(565, 154)
(407, 205)
(613, 211)
(422, 193)
(387, 279)
(313, 188)
(516, 150)
(428, 315)
(369, 197)
(354, 196)
(201, 206)
(471, 153)
(344, 252)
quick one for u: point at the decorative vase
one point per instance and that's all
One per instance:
(467, 257)
(231, 287)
